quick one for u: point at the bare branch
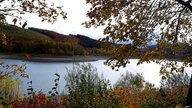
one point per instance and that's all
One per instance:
(186, 4)
(177, 27)
(129, 2)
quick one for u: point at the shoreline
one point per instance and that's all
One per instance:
(54, 58)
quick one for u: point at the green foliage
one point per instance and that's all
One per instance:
(3, 40)
(43, 47)
(151, 97)
(30, 90)
(17, 40)
(9, 89)
(9, 84)
(54, 91)
(18, 34)
(172, 93)
(86, 88)
(131, 80)
(2, 19)
(176, 80)
(175, 88)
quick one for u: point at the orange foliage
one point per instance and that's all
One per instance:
(134, 106)
(128, 97)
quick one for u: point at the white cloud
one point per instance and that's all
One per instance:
(76, 14)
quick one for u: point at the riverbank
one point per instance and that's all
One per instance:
(53, 58)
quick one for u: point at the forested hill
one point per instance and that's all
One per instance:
(41, 41)
(54, 35)
(19, 34)
(84, 41)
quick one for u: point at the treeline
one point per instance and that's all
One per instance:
(38, 41)
(86, 41)
(181, 51)
(43, 47)
(50, 47)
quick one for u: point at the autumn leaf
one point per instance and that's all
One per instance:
(14, 21)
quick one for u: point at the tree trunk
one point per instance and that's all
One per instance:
(189, 96)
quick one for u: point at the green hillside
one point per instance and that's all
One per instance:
(40, 41)
(20, 34)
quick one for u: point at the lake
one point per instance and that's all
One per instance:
(42, 73)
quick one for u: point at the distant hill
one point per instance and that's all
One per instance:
(20, 34)
(84, 41)
(41, 41)
(54, 35)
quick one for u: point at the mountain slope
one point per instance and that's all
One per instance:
(54, 35)
(81, 39)
(20, 34)
(87, 41)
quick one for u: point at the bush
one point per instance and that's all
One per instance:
(128, 89)
(132, 90)
(39, 100)
(9, 86)
(176, 89)
(176, 80)
(87, 89)
(9, 89)
(131, 80)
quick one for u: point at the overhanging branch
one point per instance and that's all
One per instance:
(177, 27)
(186, 4)
(129, 2)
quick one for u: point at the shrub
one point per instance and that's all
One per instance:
(86, 88)
(39, 100)
(176, 89)
(131, 80)
(175, 80)
(128, 89)
(9, 89)
(151, 97)
(9, 85)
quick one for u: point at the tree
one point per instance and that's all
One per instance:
(86, 88)
(131, 80)
(16, 8)
(167, 23)
(176, 80)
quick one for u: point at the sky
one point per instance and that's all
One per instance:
(76, 14)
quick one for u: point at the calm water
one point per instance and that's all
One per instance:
(42, 74)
